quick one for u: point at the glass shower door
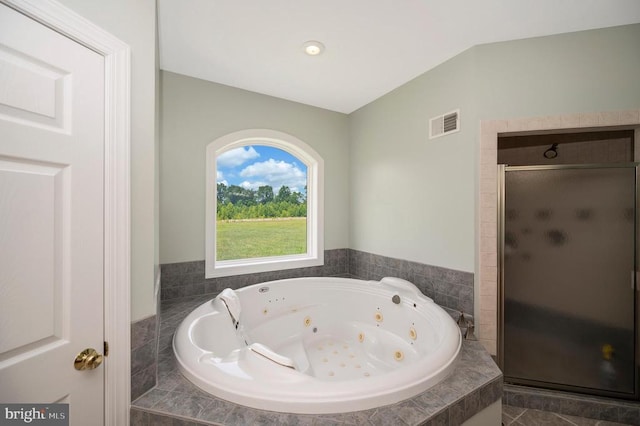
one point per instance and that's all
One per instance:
(568, 280)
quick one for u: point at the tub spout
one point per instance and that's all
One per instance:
(468, 334)
(232, 303)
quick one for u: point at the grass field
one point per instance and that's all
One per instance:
(261, 238)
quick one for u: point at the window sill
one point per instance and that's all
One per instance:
(255, 265)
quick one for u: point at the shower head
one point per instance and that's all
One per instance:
(551, 152)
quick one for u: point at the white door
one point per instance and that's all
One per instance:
(51, 217)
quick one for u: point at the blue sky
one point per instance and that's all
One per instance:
(253, 166)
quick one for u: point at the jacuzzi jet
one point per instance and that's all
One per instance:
(361, 337)
(378, 316)
(398, 355)
(412, 333)
(307, 321)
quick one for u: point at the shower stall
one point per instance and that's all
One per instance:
(568, 302)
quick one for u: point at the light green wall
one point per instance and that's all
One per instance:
(389, 189)
(414, 198)
(134, 22)
(411, 194)
(587, 71)
(194, 113)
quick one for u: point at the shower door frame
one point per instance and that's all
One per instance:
(502, 169)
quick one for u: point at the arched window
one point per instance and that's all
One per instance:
(264, 204)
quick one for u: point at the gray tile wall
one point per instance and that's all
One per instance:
(187, 278)
(144, 355)
(447, 287)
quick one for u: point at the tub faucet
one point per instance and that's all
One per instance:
(468, 334)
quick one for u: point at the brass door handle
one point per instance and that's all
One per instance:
(87, 360)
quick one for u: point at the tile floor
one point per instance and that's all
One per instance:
(516, 416)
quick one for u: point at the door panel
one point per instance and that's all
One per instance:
(31, 212)
(569, 258)
(51, 217)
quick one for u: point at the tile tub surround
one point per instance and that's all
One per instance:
(447, 287)
(475, 384)
(186, 279)
(487, 220)
(144, 355)
(592, 407)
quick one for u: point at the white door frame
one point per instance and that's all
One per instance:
(117, 233)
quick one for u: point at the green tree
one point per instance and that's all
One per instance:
(221, 193)
(297, 198)
(239, 195)
(264, 194)
(284, 194)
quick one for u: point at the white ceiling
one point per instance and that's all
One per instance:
(372, 46)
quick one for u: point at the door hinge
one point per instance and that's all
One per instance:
(106, 349)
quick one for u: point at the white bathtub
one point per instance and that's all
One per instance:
(319, 345)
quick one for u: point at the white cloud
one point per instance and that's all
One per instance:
(276, 174)
(237, 156)
(252, 185)
(220, 178)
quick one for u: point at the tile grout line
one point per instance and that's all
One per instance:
(519, 415)
(566, 420)
(507, 416)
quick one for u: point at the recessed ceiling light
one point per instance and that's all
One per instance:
(313, 48)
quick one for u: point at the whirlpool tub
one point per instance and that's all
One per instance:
(318, 345)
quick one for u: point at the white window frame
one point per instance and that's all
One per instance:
(314, 255)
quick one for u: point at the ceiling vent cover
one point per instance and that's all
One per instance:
(444, 124)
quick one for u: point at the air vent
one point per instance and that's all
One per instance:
(444, 124)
